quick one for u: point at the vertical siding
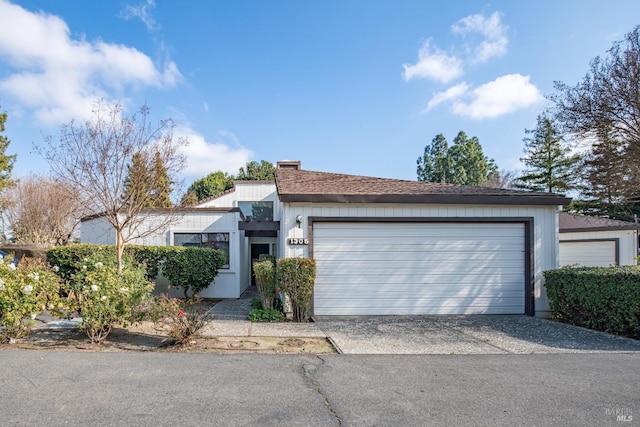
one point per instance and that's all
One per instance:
(545, 228)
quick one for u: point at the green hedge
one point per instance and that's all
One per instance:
(296, 277)
(192, 269)
(602, 298)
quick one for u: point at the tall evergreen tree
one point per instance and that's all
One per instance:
(464, 163)
(549, 164)
(6, 161)
(470, 165)
(161, 189)
(137, 182)
(435, 164)
(148, 182)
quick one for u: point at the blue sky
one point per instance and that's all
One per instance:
(345, 86)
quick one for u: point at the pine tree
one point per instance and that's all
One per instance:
(6, 161)
(464, 163)
(138, 181)
(435, 164)
(549, 164)
(161, 184)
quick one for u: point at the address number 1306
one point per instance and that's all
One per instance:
(296, 241)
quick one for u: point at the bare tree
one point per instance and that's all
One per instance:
(43, 211)
(605, 107)
(94, 158)
(502, 179)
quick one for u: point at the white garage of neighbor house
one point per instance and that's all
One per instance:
(382, 246)
(597, 242)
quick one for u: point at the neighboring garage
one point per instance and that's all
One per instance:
(386, 246)
(419, 268)
(596, 242)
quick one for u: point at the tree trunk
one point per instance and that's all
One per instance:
(119, 249)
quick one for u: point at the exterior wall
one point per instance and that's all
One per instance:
(254, 191)
(226, 285)
(627, 242)
(545, 228)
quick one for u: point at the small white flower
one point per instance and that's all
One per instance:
(56, 268)
(27, 289)
(94, 288)
(84, 267)
(103, 298)
(85, 259)
(33, 316)
(11, 266)
(98, 265)
(124, 290)
(1, 286)
(34, 276)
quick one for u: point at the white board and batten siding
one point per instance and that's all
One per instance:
(434, 267)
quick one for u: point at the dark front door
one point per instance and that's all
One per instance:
(257, 249)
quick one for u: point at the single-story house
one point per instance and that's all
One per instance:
(597, 242)
(382, 246)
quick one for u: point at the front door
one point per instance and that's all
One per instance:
(257, 249)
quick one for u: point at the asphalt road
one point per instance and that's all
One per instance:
(156, 389)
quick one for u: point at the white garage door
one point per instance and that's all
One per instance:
(588, 253)
(418, 268)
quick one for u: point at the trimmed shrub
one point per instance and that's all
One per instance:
(265, 273)
(265, 315)
(192, 269)
(189, 268)
(296, 277)
(25, 292)
(602, 298)
(104, 297)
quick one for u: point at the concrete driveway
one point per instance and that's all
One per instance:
(477, 334)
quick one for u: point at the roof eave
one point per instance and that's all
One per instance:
(428, 198)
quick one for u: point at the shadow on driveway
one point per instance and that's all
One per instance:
(477, 334)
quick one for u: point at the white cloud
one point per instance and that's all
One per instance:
(60, 77)
(143, 12)
(204, 157)
(492, 30)
(504, 95)
(434, 64)
(453, 92)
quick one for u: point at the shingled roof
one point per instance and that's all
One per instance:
(569, 223)
(297, 185)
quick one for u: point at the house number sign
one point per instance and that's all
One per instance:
(298, 241)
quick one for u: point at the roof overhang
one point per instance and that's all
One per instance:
(448, 199)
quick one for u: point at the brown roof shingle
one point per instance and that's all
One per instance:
(309, 186)
(575, 223)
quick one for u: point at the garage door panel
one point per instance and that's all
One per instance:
(491, 305)
(499, 281)
(418, 268)
(374, 248)
(429, 267)
(434, 292)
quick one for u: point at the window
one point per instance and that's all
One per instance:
(218, 241)
(257, 211)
